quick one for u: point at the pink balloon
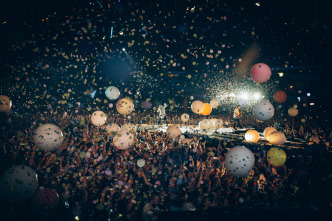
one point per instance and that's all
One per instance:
(260, 72)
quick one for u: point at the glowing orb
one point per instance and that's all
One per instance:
(252, 136)
(276, 157)
(277, 138)
(267, 131)
(207, 109)
(239, 161)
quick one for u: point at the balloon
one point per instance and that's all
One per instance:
(146, 104)
(98, 118)
(184, 117)
(197, 107)
(112, 93)
(44, 201)
(5, 103)
(112, 129)
(18, 184)
(243, 102)
(280, 96)
(260, 72)
(276, 157)
(264, 110)
(268, 130)
(277, 138)
(173, 131)
(293, 112)
(252, 136)
(125, 106)
(48, 137)
(123, 140)
(205, 124)
(108, 172)
(214, 103)
(207, 109)
(129, 127)
(140, 162)
(239, 161)
(218, 124)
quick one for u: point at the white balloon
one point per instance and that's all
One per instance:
(112, 129)
(185, 117)
(239, 161)
(140, 162)
(18, 184)
(173, 131)
(48, 137)
(218, 124)
(98, 118)
(112, 93)
(214, 103)
(123, 140)
(264, 110)
(205, 124)
(129, 127)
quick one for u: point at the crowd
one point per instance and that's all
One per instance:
(96, 179)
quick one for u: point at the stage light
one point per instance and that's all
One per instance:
(281, 74)
(244, 95)
(257, 96)
(77, 218)
(123, 49)
(312, 104)
(258, 4)
(308, 94)
(232, 95)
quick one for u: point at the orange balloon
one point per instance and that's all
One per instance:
(280, 96)
(207, 109)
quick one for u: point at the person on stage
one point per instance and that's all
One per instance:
(237, 115)
(162, 112)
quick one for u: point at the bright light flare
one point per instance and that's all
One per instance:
(257, 96)
(244, 95)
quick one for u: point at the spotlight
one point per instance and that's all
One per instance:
(308, 94)
(244, 96)
(257, 96)
(123, 49)
(281, 74)
(77, 218)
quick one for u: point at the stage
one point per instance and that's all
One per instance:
(228, 134)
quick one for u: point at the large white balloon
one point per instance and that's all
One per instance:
(205, 124)
(123, 140)
(129, 127)
(173, 131)
(264, 110)
(239, 161)
(18, 184)
(185, 117)
(98, 118)
(48, 137)
(112, 93)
